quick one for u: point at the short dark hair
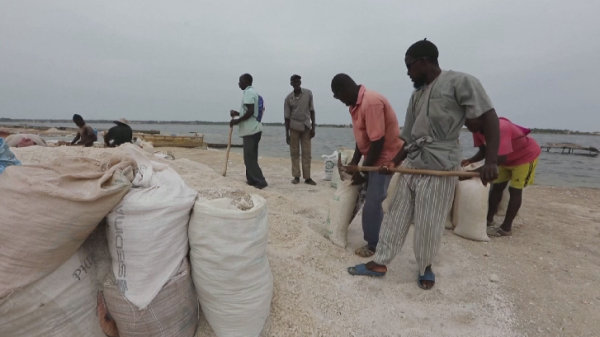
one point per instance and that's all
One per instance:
(295, 77)
(423, 49)
(247, 77)
(77, 118)
(342, 81)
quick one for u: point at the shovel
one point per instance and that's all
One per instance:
(227, 154)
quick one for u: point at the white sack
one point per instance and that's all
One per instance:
(48, 211)
(230, 268)
(504, 202)
(470, 210)
(341, 207)
(329, 166)
(147, 230)
(14, 140)
(62, 304)
(344, 158)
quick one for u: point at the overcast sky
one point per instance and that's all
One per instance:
(180, 60)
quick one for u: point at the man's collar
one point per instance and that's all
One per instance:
(361, 93)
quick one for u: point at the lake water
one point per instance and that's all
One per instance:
(553, 169)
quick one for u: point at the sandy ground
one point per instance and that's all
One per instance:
(546, 278)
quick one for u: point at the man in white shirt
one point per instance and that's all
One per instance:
(250, 129)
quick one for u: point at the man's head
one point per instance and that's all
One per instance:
(245, 81)
(421, 59)
(295, 82)
(474, 125)
(344, 89)
(78, 120)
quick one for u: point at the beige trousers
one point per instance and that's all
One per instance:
(300, 139)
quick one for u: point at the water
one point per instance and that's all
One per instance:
(553, 169)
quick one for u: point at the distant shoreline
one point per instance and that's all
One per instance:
(150, 122)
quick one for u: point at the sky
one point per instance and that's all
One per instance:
(180, 60)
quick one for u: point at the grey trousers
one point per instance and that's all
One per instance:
(424, 200)
(254, 174)
(299, 140)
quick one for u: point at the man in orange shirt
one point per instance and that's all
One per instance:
(377, 135)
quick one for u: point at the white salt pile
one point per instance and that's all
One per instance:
(239, 198)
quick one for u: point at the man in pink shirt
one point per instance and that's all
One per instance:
(517, 160)
(377, 135)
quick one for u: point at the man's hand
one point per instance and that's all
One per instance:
(358, 179)
(233, 113)
(465, 162)
(233, 123)
(312, 133)
(385, 169)
(489, 173)
(287, 138)
(350, 169)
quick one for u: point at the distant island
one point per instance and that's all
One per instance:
(104, 121)
(109, 121)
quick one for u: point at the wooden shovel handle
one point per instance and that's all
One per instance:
(227, 154)
(422, 172)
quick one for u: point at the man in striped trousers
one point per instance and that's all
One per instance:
(436, 114)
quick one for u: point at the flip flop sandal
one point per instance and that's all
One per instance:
(361, 269)
(427, 276)
(364, 252)
(499, 232)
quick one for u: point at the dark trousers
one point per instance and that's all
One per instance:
(372, 215)
(254, 174)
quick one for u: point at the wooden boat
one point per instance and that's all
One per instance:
(570, 148)
(196, 140)
(221, 146)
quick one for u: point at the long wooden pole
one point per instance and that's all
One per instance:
(228, 149)
(422, 172)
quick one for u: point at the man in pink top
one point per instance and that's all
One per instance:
(517, 160)
(377, 135)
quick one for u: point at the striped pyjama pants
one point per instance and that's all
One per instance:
(424, 200)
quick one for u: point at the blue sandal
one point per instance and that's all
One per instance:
(361, 269)
(427, 276)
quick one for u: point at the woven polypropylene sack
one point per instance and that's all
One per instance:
(147, 230)
(470, 210)
(48, 211)
(341, 207)
(172, 313)
(62, 304)
(230, 268)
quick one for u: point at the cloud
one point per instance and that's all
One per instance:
(181, 60)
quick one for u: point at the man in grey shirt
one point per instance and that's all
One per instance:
(435, 116)
(299, 114)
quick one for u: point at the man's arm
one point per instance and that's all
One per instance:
(479, 156)
(248, 114)
(311, 107)
(374, 152)
(108, 137)
(356, 157)
(77, 137)
(491, 129)
(287, 113)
